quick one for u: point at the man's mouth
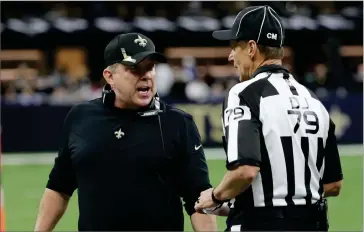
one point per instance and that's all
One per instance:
(143, 89)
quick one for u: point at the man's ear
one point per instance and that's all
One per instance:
(108, 76)
(252, 48)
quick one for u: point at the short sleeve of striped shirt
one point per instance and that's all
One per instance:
(241, 127)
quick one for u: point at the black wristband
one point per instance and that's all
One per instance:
(216, 200)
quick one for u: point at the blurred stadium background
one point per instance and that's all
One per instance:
(52, 58)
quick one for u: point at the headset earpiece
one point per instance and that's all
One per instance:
(108, 95)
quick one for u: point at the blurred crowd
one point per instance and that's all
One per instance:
(58, 88)
(184, 82)
(38, 17)
(128, 11)
(174, 83)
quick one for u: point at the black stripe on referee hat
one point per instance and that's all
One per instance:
(259, 23)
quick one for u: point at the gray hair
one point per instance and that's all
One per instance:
(112, 68)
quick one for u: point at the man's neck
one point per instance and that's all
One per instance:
(265, 62)
(268, 62)
(122, 105)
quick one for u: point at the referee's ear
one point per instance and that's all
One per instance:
(252, 49)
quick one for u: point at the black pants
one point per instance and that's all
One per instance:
(281, 219)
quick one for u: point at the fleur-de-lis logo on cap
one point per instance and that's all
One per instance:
(140, 41)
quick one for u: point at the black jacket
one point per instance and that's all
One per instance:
(129, 176)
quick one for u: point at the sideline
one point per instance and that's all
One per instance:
(211, 154)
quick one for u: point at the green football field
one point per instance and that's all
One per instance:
(24, 185)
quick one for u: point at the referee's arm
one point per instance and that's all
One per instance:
(195, 177)
(242, 131)
(60, 186)
(333, 175)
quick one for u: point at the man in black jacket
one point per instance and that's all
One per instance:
(130, 156)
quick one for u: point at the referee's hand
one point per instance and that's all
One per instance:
(205, 200)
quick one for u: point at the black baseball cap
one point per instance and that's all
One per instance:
(259, 23)
(130, 49)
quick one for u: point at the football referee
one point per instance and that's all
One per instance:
(130, 156)
(282, 156)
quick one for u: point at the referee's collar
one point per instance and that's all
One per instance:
(269, 68)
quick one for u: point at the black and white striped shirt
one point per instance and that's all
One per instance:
(273, 122)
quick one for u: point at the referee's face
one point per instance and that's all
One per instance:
(134, 85)
(241, 59)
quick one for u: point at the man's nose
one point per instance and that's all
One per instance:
(231, 57)
(147, 75)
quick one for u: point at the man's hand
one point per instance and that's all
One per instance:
(203, 222)
(205, 200)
